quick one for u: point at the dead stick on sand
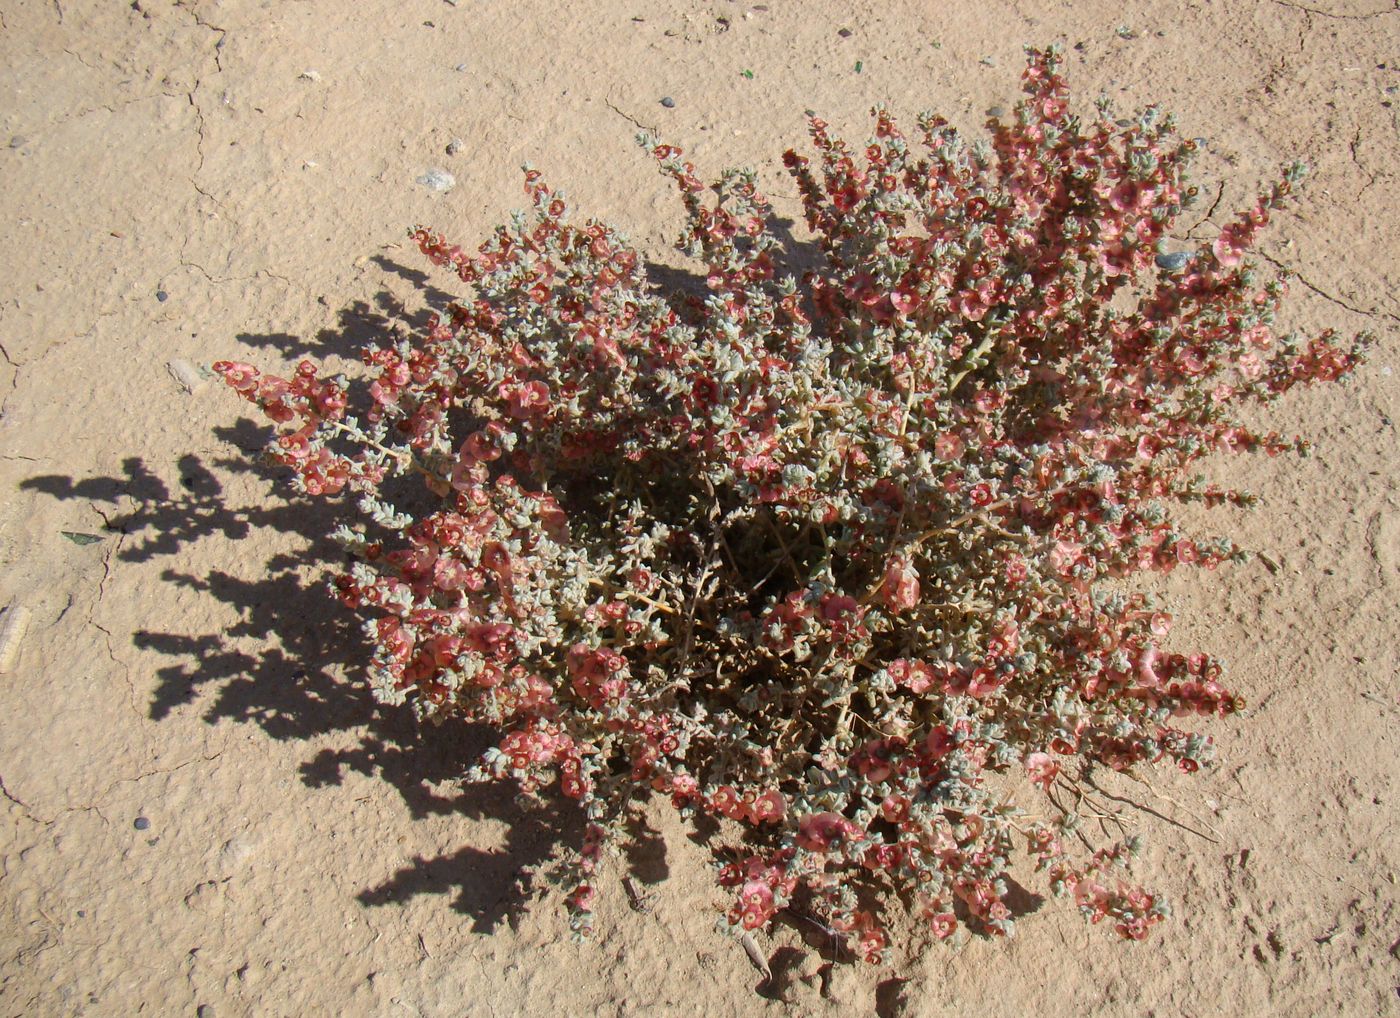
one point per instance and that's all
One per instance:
(1162, 816)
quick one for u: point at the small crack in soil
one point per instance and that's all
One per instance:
(1219, 194)
(14, 382)
(221, 280)
(79, 57)
(1356, 161)
(199, 144)
(222, 33)
(1393, 9)
(23, 806)
(1364, 312)
(92, 615)
(96, 807)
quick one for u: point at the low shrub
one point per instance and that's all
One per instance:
(836, 558)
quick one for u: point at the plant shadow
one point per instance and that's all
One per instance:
(490, 885)
(302, 683)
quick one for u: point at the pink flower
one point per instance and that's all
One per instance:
(914, 676)
(1130, 196)
(1065, 556)
(985, 681)
(835, 607)
(903, 300)
(947, 446)
(1251, 367)
(768, 807)
(528, 400)
(894, 808)
(726, 800)
(1229, 247)
(870, 945)
(756, 899)
(481, 446)
(974, 304)
(819, 831)
(1041, 768)
(900, 589)
(939, 742)
(242, 377)
(1115, 261)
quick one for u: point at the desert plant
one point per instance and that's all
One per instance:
(834, 558)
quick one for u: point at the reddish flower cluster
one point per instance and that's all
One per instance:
(824, 558)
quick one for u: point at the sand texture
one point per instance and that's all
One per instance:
(186, 182)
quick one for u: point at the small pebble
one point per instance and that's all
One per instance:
(186, 374)
(309, 76)
(204, 1011)
(13, 624)
(996, 111)
(438, 180)
(140, 823)
(460, 67)
(845, 33)
(162, 296)
(18, 141)
(1173, 261)
(668, 102)
(455, 145)
(236, 852)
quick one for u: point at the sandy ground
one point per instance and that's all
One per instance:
(208, 179)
